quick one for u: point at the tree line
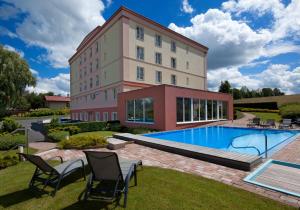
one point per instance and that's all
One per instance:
(244, 92)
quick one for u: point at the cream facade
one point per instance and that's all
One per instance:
(106, 63)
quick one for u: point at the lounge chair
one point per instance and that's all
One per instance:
(298, 121)
(269, 123)
(109, 176)
(286, 123)
(52, 176)
(255, 122)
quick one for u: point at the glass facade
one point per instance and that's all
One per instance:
(140, 110)
(196, 110)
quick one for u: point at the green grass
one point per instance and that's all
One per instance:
(100, 133)
(14, 152)
(239, 115)
(264, 116)
(157, 189)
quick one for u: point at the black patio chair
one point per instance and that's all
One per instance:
(52, 176)
(109, 176)
(269, 123)
(286, 123)
(255, 122)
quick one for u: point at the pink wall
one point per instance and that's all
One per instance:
(164, 97)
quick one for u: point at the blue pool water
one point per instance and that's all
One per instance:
(242, 140)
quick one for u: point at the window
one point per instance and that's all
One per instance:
(173, 46)
(104, 56)
(158, 76)
(114, 116)
(224, 110)
(209, 110)
(81, 116)
(115, 93)
(140, 33)
(140, 110)
(187, 109)
(187, 81)
(97, 63)
(140, 73)
(85, 85)
(80, 74)
(202, 109)
(80, 87)
(187, 50)
(215, 110)
(97, 117)
(97, 80)
(157, 40)
(187, 66)
(173, 79)
(91, 67)
(173, 63)
(97, 47)
(105, 116)
(86, 116)
(105, 95)
(140, 53)
(179, 108)
(91, 82)
(93, 96)
(196, 109)
(158, 58)
(105, 75)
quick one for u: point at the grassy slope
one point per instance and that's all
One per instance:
(264, 116)
(157, 189)
(101, 133)
(13, 152)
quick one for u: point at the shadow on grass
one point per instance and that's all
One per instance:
(19, 197)
(91, 204)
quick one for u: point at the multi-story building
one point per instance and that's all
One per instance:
(131, 55)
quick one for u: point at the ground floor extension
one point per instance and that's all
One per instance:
(163, 107)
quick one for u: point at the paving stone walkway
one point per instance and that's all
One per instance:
(233, 177)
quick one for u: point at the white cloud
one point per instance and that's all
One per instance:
(5, 32)
(230, 42)
(58, 26)
(7, 12)
(186, 7)
(34, 72)
(275, 76)
(11, 48)
(59, 84)
(280, 47)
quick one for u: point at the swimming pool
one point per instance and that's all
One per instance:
(241, 140)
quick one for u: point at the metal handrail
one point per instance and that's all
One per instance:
(248, 147)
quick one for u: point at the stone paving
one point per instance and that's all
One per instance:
(233, 177)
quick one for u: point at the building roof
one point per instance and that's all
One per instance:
(57, 98)
(122, 12)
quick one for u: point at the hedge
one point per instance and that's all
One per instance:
(7, 161)
(58, 136)
(83, 142)
(8, 141)
(83, 126)
(9, 125)
(46, 112)
(242, 109)
(291, 111)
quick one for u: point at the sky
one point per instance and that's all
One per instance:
(253, 43)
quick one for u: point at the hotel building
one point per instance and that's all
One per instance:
(137, 71)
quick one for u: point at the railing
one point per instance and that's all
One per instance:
(246, 147)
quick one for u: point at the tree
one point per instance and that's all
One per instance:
(225, 87)
(236, 93)
(267, 92)
(277, 92)
(15, 76)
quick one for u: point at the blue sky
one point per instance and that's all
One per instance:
(252, 43)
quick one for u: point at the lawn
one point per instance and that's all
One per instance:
(101, 133)
(157, 189)
(264, 116)
(14, 152)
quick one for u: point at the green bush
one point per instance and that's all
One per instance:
(291, 111)
(256, 110)
(57, 136)
(83, 142)
(7, 161)
(9, 125)
(46, 112)
(83, 126)
(72, 130)
(8, 141)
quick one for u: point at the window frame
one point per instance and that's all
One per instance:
(139, 33)
(140, 72)
(158, 42)
(157, 74)
(140, 53)
(158, 55)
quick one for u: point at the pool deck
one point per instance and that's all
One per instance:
(231, 159)
(226, 175)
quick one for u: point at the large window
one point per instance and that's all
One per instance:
(173, 79)
(140, 33)
(140, 53)
(140, 73)
(140, 110)
(173, 63)
(157, 40)
(158, 77)
(196, 110)
(158, 58)
(173, 46)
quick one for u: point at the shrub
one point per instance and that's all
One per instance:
(9, 125)
(46, 112)
(113, 126)
(83, 142)
(256, 110)
(83, 126)
(7, 161)
(8, 141)
(291, 111)
(57, 135)
(54, 123)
